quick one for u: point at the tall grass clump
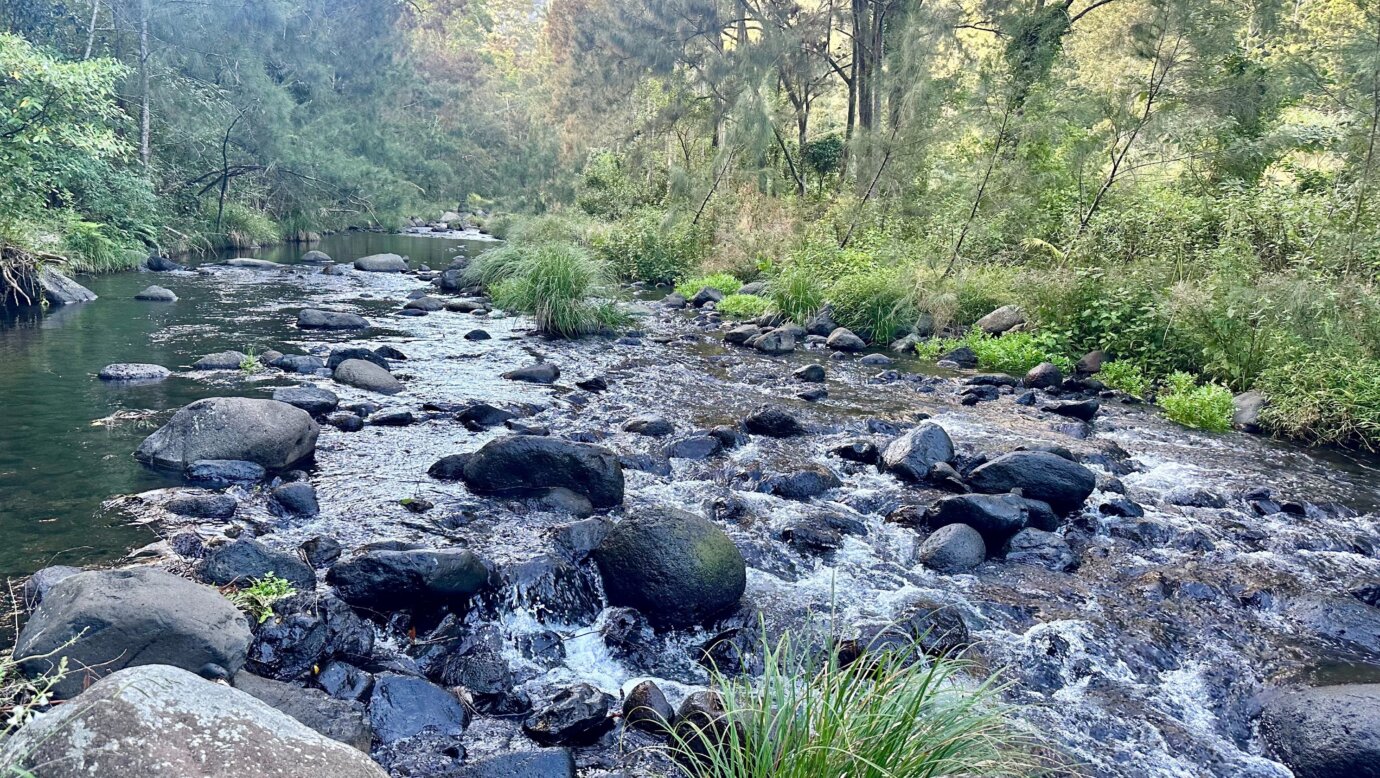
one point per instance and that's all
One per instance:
(890, 714)
(558, 284)
(724, 282)
(653, 246)
(797, 293)
(1324, 398)
(1201, 406)
(91, 249)
(875, 305)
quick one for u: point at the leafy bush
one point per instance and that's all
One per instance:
(874, 305)
(651, 246)
(797, 293)
(550, 228)
(1324, 398)
(257, 599)
(743, 306)
(722, 281)
(244, 226)
(557, 283)
(1125, 377)
(1015, 352)
(890, 713)
(1202, 406)
(606, 189)
(91, 249)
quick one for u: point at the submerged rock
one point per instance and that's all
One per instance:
(131, 373)
(315, 319)
(521, 465)
(1326, 731)
(268, 433)
(384, 579)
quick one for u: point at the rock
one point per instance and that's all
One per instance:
(483, 415)
(1083, 410)
(992, 379)
(299, 363)
(315, 319)
(843, 339)
(646, 708)
(1039, 475)
(741, 334)
(202, 506)
(995, 516)
(592, 384)
(540, 373)
(525, 464)
(381, 263)
(810, 373)
(392, 417)
(1032, 546)
(1248, 406)
(695, 447)
(269, 433)
(132, 373)
(862, 451)
(340, 354)
(147, 617)
(368, 376)
(296, 499)
(451, 280)
(677, 568)
(1045, 375)
(955, 548)
(344, 681)
(58, 289)
(401, 706)
(1001, 320)
(429, 304)
(244, 560)
(963, 357)
(651, 426)
(249, 263)
(778, 341)
(394, 579)
(320, 550)
(875, 359)
(345, 421)
(913, 456)
(702, 725)
(338, 720)
(317, 402)
(773, 422)
(542, 763)
(316, 257)
(161, 264)
(156, 294)
(1194, 497)
(801, 485)
(478, 335)
(37, 586)
(1090, 364)
(389, 352)
(449, 468)
(577, 716)
(156, 721)
(467, 306)
(221, 360)
(220, 473)
(1325, 731)
(705, 296)
(822, 323)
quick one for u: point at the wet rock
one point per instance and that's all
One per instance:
(416, 504)
(1090, 364)
(157, 721)
(540, 373)
(773, 422)
(295, 499)
(202, 506)
(1031, 546)
(338, 720)
(392, 417)
(812, 535)
(776, 342)
(221, 360)
(149, 617)
(542, 763)
(220, 473)
(963, 357)
(320, 550)
(861, 451)
(651, 426)
(813, 395)
(368, 376)
(1001, 320)
(132, 373)
(481, 415)
(675, 301)
(973, 395)
(344, 681)
(913, 456)
(1050, 478)
(694, 447)
(271, 434)
(249, 263)
(801, 485)
(822, 323)
(58, 289)
(37, 586)
(728, 437)
(934, 628)
(646, 708)
(316, 257)
(389, 352)
(1326, 731)
(577, 716)
(340, 354)
(386, 579)
(478, 335)
(810, 373)
(955, 548)
(402, 706)
(1247, 409)
(429, 304)
(992, 379)
(245, 560)
(843, 339)
(316, 319)
(875, 359)
(523, 464)
(677, 568)
(1083, 410)
(1121, 507)
(702, 723)
(1194, 497)
(705, 296)
(1045, 375)
(628, 635)
(381, 263)
(593, 384)
(161, 264)
(449, 468)
(995, 516)
(467, 306)
(345, 421)
(317, 402)
(1337, 621)
(298, 363)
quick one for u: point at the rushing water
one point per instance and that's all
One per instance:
(1142, 661)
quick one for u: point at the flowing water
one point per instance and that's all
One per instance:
(1143, 661)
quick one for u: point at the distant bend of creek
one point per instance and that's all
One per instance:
(1143, 660)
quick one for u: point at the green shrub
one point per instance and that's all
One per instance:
(1324, 398)
(874, 305)
(797, 293)
(1125, 377)
(257, 599)
(743, 306)
(888, 714)
(1202, 406)
(557, 284)
(606, 189)
(91, 249)
(498, 225)
(243, 226)
(1015, 352)
(649, 245)
(722, 281)
(550, 228)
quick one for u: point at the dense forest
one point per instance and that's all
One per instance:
(1187, 187)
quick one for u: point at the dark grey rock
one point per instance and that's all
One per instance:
(271, 434)
(156, 294)
(245, 560)
(221, 360)
(577, 716)
(1039, 475)
(220, 473)
(1326, 731)
(521, 465)
(316, 319)
(540, 373)
(651, 426)
(914, 455)
(1032, 546)
(843, 339)
(955, 548)
(317, 402)
(402, 706)
(342, 353)
(1045, 375)
(384, 579)
(296, 499)
(299, 363)
(773, 422)
(338, 720)
(202, 506)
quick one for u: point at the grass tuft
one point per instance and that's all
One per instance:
(722, 281)
(257, 599)
(1201, 406)
(558, 284)
(743, 306)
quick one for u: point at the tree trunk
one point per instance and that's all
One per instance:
(91, 29)
(144, 84)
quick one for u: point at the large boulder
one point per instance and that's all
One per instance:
(1326, 731)
(244, 560)
(995, 516)
(157, 721)
(105, 621)
(269, 433)
(527, 464)
(368, 376)
(914, 455)
(955, 548)
(127, 372)
(389, 579)
(773, 422)
(1039, 475)
(340, 720)
(156, 294)
(221, 360)
(1001, 320)
(381, 263)
(313, 400)
(576, 716)
(1246, 409)
(1045, 375)
(58, 289)
(316, 319)
(341, 353)
(679, 569)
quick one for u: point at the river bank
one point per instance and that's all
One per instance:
(1200, 571)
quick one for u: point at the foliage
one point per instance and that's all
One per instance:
(605, 190)
(257, 599)
(1202, 406)
(1324, 398)
(559, 284)
(1015, 352)
(1124, 377)
(250, 364)
(743, 306)
(875, 305)
(797, 293)
(892, 712)
(721, 281)
(21, 696)
(653, 246)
